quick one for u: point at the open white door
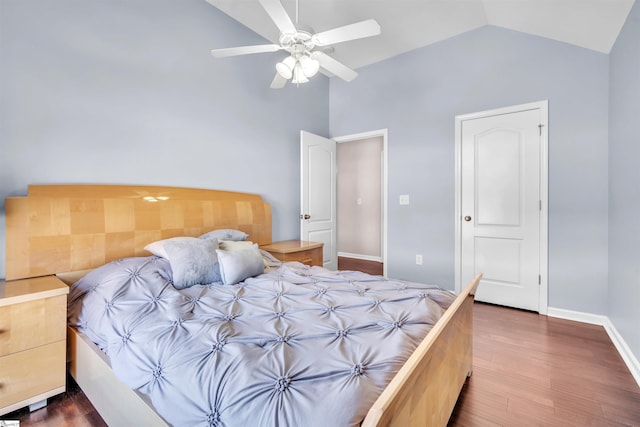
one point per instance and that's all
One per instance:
(318, 194)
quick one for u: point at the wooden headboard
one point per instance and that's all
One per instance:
(63, 228)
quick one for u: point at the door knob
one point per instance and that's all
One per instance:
(305, 216)
(467, 218)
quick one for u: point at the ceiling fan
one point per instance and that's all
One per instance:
(304, 60)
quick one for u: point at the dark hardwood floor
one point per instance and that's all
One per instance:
(371, 267)
(532, 370)
(69, 409)
(529, 370)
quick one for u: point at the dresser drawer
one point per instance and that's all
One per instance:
(32, 324)
(32, 372)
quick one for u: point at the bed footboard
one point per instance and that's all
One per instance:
(425, 390)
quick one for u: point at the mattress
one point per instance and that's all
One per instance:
(295, 346)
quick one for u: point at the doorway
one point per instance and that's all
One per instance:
(501, 204)
(319, 199)
(360, 204)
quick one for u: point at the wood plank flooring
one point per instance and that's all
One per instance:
(370, 267)
(69, 409)
(532, 370)
(529, 370)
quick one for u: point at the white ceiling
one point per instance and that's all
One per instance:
(410, 24)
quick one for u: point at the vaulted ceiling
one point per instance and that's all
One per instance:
(410, 24)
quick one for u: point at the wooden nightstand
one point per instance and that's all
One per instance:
(33, 340)
(309, 253)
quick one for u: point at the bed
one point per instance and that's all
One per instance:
(71, 230)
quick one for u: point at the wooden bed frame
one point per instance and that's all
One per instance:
(68, 230)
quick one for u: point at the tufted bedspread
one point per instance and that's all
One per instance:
(296, 346)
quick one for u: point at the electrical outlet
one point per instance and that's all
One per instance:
(404, 199)
(418, 259)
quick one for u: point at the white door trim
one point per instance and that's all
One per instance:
(373, 134)
(543, 106)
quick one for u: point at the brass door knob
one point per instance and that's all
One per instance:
(467, 218)
(305, 216)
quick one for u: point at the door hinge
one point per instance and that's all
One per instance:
(540, 204)
(539, 279)
(540, 126)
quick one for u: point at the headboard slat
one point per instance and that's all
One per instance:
(62, 228)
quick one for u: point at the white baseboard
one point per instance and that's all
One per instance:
(360, 256)
(595, 319)
(578, 316)
(625, 352)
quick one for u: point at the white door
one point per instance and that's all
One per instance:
(501, 206)
(318, 194)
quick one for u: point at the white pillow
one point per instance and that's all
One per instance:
(237, 265)
(158, 247)
(234, 245)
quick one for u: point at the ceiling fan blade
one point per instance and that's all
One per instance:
(278, 82)
(245, 50)
(333, 66)
(279, 16)
(359, 30)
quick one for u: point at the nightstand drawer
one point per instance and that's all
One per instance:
(32, 372)
(309, 253)
(32, 324)
(305, 257)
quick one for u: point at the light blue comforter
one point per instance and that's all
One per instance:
(296, 346)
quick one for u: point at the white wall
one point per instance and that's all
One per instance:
(417, 96)
(123, 91)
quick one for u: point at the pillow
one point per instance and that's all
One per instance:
(269, 259)
(233, 245)
(235, 266)
(225, 234)
(158, 247)
(193, 261)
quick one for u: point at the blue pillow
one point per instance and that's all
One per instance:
(225, 234)
(193, 261)
(235, 266)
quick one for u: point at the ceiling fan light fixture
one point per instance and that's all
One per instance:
(298, 75)
(303, 61)
(286, 67)
(310, 66)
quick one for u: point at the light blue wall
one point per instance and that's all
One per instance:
(417, 96)
(117, 92)
(624, 183)
(120, 92)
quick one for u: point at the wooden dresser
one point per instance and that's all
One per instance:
(309, 253)
(33, 318)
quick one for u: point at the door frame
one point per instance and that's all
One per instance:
(383, 133)
(543, 107)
